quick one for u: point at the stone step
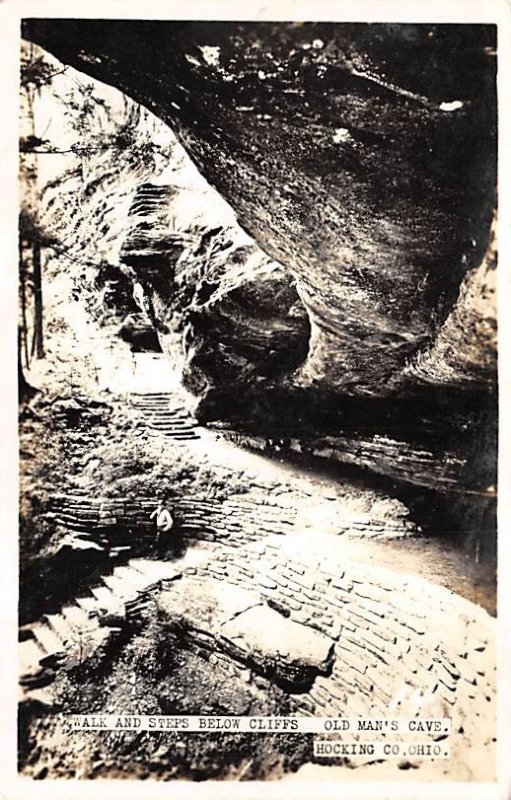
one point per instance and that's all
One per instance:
(50, 643)
(29, 656)
(60, 626)
(170, 419)
(183, 435)
(139, 603)
(175, 434)
(87, 604)
(25, 633)
(103, 596)
(119, 588)
(157, 570)
(78, 618)
(148, 410)
(41, 697)
(36, 680)
(161, 405)
(150, 394)
(155, 408)
(157, 402)
(135, 579)
(172, 430)
(146, 400)
(174, 422)
(180, 438)
(119, 550)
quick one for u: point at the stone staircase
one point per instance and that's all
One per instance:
(87, 623)
(333, 636)
(159, 413)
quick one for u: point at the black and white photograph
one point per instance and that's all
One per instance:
(258, 400)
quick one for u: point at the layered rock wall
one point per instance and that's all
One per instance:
(361, 157)
(226, 314)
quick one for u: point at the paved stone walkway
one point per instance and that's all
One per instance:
(261, 568)
(378, 644)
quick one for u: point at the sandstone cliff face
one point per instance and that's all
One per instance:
(84, 150)
(360, 157)
(230, 320)
(227, 315)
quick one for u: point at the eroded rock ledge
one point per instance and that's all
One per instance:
(227, 315)
(361, 157)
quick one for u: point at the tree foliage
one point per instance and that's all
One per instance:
(36, 70)
(101, 145)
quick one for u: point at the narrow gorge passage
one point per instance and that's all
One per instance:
(257, 395)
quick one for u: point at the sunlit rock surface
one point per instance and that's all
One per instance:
(240, 624)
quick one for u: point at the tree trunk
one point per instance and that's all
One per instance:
(23, 333)
(25, 390)
(38, 301)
